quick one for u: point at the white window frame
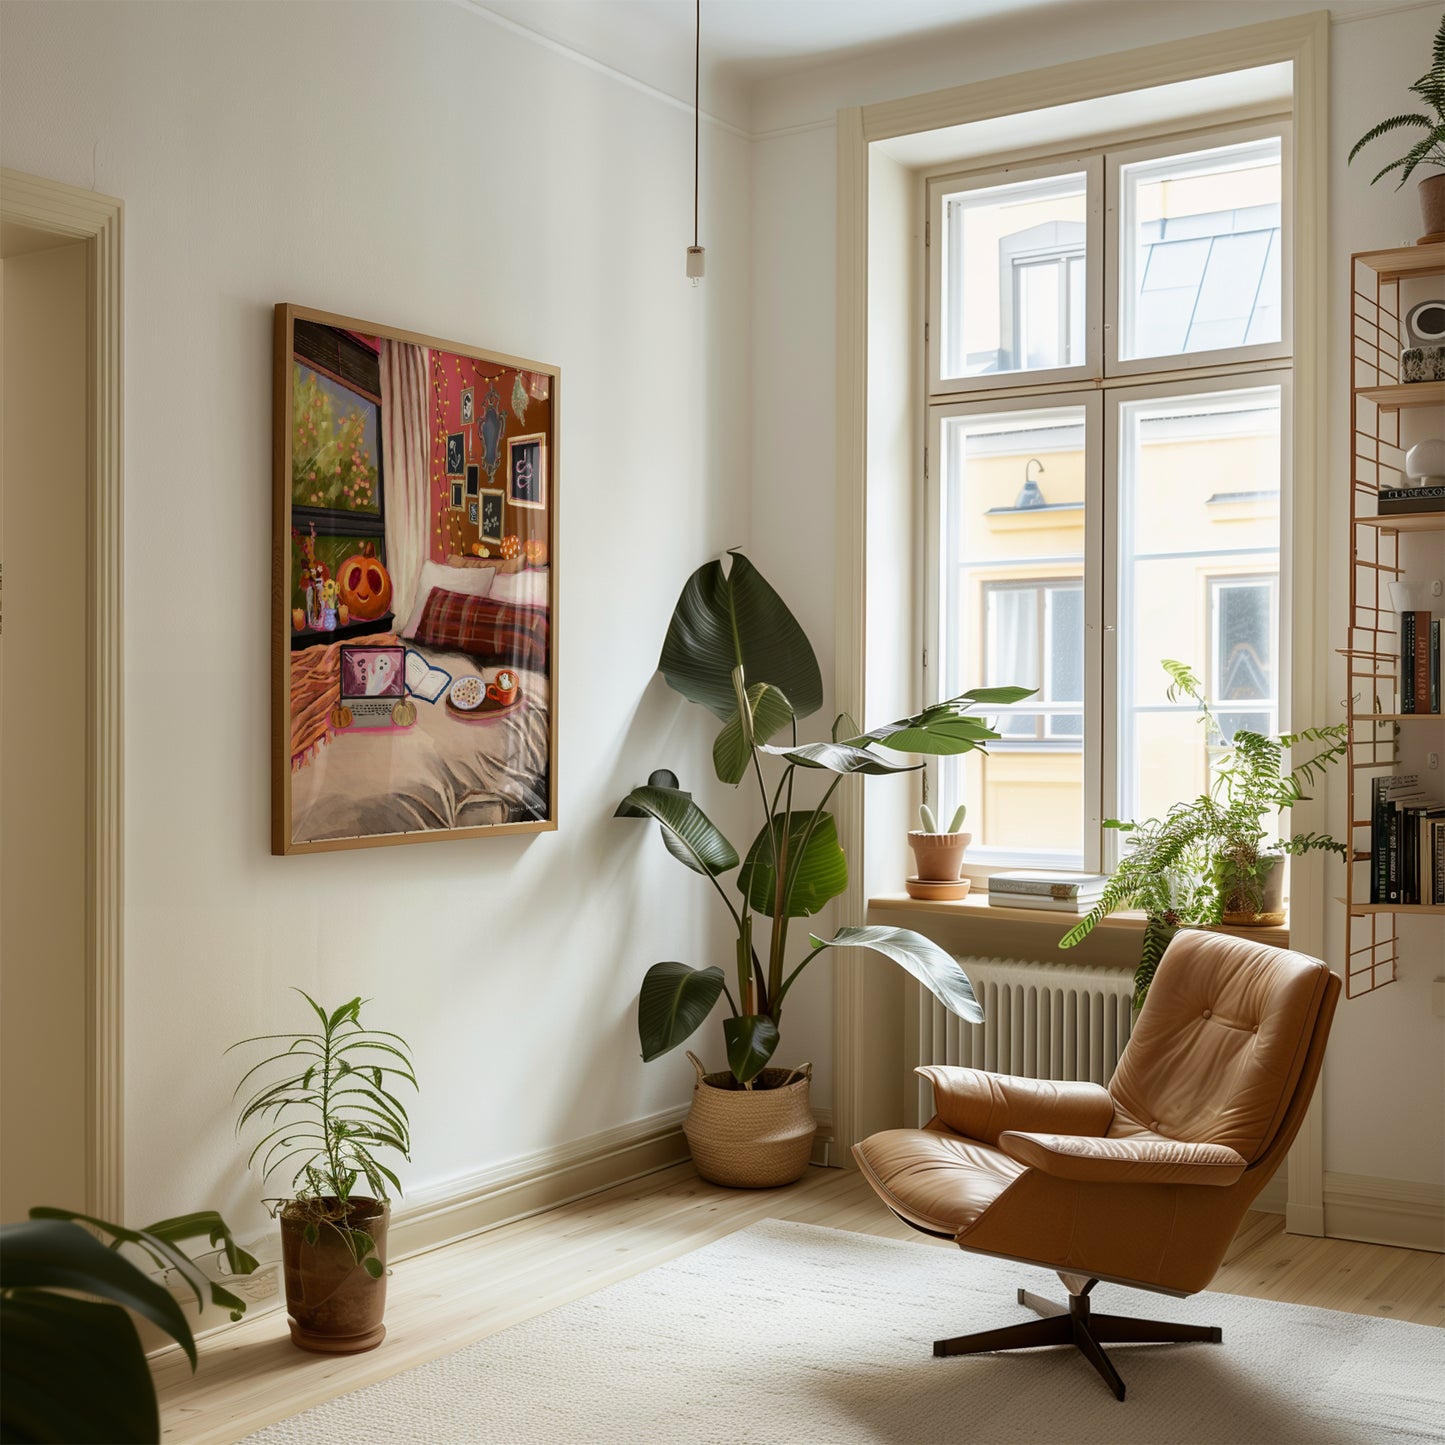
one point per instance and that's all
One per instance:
(1115, 399)
(1120, 226)
(953, 183)
(1107, 386)
(936, 641)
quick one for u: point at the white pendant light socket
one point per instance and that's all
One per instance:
(696, 255)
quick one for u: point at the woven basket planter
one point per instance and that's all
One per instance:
(751, 1138)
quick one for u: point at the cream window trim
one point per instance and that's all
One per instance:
(863, 1071)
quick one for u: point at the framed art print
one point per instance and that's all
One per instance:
(493, 511)
(527, 471)
(397, 594)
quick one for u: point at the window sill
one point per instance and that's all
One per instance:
(977, 909)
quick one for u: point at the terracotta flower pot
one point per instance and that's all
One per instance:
(939, 856)
(335, 1306)
(1432, 205)
(756, 1138)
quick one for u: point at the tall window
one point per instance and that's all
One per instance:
(1108, 372)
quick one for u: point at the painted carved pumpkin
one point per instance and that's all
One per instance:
(365, 585)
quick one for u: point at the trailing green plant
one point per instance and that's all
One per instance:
(734, 647)
(930, 823)
(1209, 856)
(332, 1111)
(72, 1366)
(1430, 148)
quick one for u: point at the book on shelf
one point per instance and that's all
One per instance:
(1047, 885)
(1403, 501)
(1437, 860)
(1081, 903)
(1419, 662)
(1404, 851)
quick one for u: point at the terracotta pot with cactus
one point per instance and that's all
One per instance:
(938, 856)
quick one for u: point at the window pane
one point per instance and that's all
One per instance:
(334, 444)
(1012, 602)
(1065, 659)
(1198, 567)
(1007, 298)
(1200, 251)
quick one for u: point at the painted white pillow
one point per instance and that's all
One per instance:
(469, 581)
(522, 589)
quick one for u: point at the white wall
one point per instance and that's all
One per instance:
(423, 166)
(1384, 1111)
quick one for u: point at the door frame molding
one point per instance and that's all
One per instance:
(71, 214)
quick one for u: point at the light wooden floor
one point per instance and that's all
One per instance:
(251, 1375)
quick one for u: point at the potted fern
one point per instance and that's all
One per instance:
(328, 1097)
(734, 647)
(1429, 148)
(1212, 860)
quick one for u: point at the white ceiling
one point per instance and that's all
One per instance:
(742, 40)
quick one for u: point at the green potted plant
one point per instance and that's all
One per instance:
(73, 1366)
(1211, 860)
(1429, 148)
(938, 855)
(328, 1097)
(733, 647)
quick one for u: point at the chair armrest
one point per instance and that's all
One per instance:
(1125, 1161)
(981, 1105)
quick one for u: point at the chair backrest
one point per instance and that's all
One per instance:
(1218, 1051)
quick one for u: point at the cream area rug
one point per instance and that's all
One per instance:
(790, 1333)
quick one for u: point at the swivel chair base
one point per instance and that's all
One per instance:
(1073, 1324)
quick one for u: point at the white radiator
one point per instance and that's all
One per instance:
(1042, 1020)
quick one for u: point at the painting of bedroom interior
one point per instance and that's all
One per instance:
(414, 586)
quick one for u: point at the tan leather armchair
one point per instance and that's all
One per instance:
(1143, 1183)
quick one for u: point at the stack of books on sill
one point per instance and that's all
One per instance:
(1061, 892)
(1407, 842)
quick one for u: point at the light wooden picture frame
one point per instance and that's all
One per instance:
(369, 553)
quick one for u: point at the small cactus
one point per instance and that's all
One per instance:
(930, 823)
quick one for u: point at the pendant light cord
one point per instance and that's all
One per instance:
(696, 112)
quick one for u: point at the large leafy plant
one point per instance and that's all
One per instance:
(328, 1096)
(1209, 856)
(735, 648)
(72, 1366)
(1429, 149)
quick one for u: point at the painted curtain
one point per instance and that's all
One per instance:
(406, 448)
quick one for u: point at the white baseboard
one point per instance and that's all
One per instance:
(514, 1189)
(1400, 1212)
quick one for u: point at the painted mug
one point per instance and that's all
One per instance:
(504, 690)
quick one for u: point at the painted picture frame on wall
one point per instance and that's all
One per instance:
(469, 406)
(527, 470)
(378, 587)
(493, 516)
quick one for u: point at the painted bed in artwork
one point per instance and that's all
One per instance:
(416, 505)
